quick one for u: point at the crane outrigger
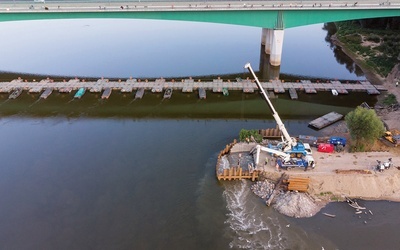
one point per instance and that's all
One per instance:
(292, 152)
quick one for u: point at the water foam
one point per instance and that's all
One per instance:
(250, 224)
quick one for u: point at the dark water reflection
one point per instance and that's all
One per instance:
(237, 105)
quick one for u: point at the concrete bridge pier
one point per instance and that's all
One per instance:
(267, 38)
(276, 49)
(264, 36)
(273, 44)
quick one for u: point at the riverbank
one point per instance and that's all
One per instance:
(371, 75)
(341, 175)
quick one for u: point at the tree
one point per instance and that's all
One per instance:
(365, 127)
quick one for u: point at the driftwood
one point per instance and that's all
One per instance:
(329, 215)
(354, 204)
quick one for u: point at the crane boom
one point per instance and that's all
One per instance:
(289, 141)
(258, 148)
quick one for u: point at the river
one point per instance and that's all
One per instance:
(124, 174)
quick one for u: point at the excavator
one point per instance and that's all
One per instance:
(290, 152)
(393, 137)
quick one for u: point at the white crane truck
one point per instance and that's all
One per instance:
(290, 153)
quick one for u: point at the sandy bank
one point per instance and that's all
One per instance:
(327, 184)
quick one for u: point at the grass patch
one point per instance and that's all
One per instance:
(389, 100)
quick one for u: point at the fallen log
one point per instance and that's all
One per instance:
(275, 190)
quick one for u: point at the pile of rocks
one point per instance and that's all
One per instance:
(263, 189)
(298, 205)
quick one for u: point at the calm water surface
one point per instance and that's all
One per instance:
(151, 48)
(124, 174)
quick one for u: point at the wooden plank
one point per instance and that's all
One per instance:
(298, 184)
(299, 181)
(290, 180)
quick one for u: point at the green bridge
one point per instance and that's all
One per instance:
(272, 16)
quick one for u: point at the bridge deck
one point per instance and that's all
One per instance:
(251, 13)
(188, 85)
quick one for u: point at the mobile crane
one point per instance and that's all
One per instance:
(292, 153)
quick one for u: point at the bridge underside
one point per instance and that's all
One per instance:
(256, 18)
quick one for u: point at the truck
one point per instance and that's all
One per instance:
(338, 142)
(284, 160)
(290, 149)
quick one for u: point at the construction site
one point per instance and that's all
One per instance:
(300, 175)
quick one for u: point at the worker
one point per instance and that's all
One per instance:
(278, 162)
(266, 160)
(397, 83)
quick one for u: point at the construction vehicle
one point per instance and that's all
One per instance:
(284, 160)
(291, 150)
(394, 139)
(338, 142)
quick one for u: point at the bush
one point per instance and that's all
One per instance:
(245, 135)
